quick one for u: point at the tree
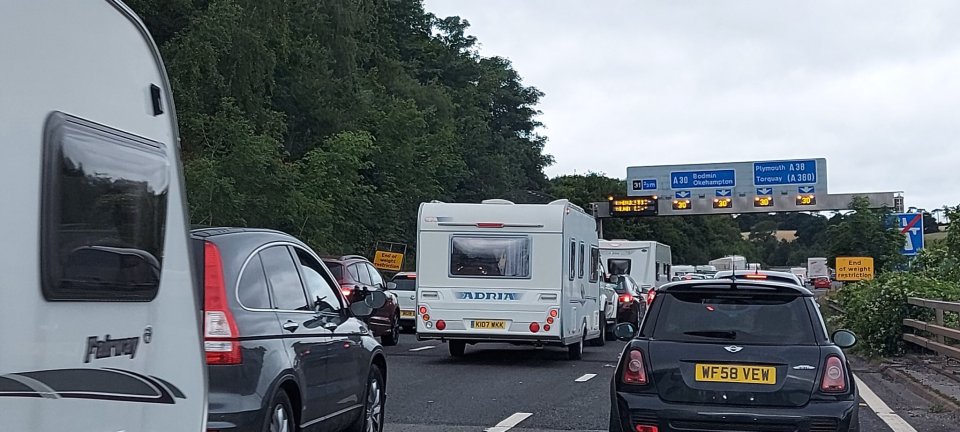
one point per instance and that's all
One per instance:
(865, 232)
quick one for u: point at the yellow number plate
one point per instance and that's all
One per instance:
(492, 325)
(736, 374)
(408, 314)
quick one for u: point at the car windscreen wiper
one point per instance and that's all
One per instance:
(716, 334)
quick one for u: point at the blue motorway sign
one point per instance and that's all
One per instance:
(911, 226)
(779, 173)
(703, 179)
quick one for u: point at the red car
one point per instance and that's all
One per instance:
(356, 273)
(822, 283)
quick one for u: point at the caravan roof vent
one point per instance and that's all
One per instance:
(560, 202)
(496, 201)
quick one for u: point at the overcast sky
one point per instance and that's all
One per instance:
(872, 86)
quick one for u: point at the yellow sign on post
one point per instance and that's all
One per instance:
(390, 261)
(851, 269)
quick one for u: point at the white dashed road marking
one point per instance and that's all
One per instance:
(585, 378)
(509, 422)
(423, 348)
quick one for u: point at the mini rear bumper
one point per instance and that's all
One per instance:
(630, 410)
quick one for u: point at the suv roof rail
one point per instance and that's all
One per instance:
(346, 257)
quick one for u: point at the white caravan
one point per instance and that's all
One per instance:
(99, 319)
(732, 262)
(647, 262)
(504, 272)
(681, 270)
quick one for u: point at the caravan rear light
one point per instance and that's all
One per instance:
(220, 329)
(534, 327)
(549, 320)
(426, 317)
(423, 310)
(634, 372)
(490, 225)
(554, 313)
(441, 324)
(546, 327)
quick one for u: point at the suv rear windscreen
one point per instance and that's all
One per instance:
(336, 269)
(749, 318)
(405, 284)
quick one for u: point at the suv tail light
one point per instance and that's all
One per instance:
(834, 376)
(651, 295)
(220, 334)
(634, 372)
(626, 298)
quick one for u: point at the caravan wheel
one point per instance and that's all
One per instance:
(575, 350)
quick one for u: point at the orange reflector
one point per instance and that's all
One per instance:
(426, 317)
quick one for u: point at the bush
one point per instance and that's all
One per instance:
(875, 309)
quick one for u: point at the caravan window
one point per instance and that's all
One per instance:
(657, 272)
(503, 257)
(582, 254)
(618, 266)
(104, 212)
(573, 259)
(594, 263)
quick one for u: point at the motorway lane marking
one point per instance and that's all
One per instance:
(585, 378)
(509, 422)
(423, 348)
(894, 421)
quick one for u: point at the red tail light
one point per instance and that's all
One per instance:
(645, 428)
(534, 327)
(346, 293)
(634, 372)
(755, 276)
(626, 298)
(834, 376)
(441, 324)
(220, 334)
(650, 296)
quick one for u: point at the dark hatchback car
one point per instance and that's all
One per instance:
(357, 275)
(744, 355)
(284, 351)
(632, 304)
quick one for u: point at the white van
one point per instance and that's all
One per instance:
(504, 272)
(100, 318)
(647, 262)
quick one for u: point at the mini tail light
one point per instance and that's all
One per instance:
(634, 372)
(554, 313)
(220, 334)
(534, 327)
(647, 428)
(834, 376)
(441, 324)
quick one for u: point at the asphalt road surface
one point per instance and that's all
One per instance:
(523, 389)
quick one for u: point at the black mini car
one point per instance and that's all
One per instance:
(723, 355)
